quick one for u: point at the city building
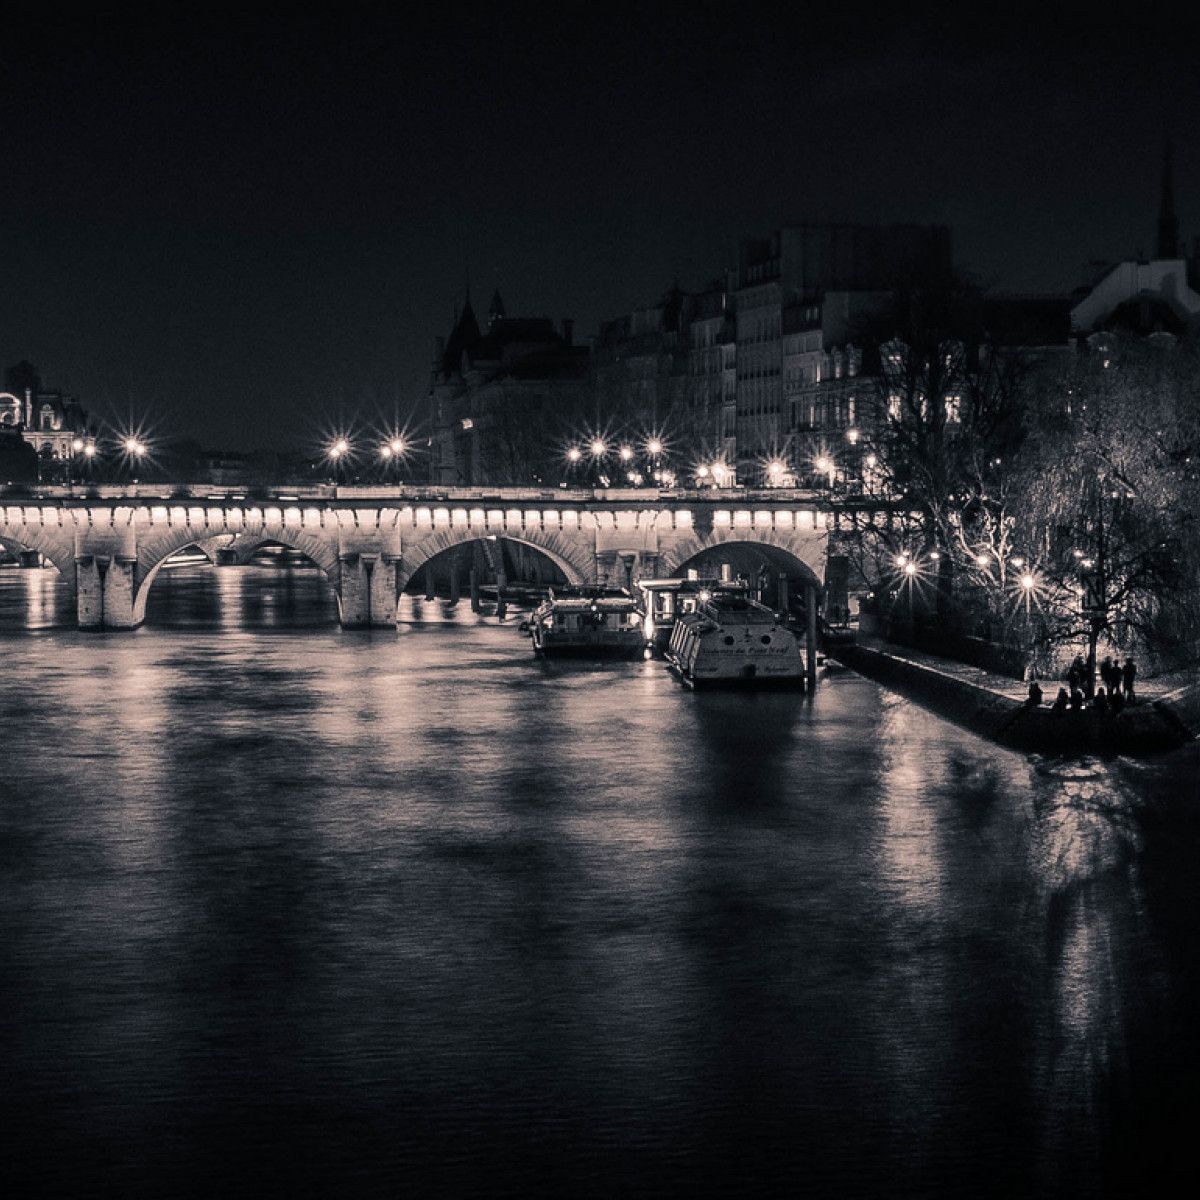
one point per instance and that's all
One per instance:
(801, 293)
(53, 423)
(503, 398)
(1158, 297)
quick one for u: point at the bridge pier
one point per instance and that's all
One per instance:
(354, 591)
(367, 590)
(384, 593)
(89, 592)
(104, 591)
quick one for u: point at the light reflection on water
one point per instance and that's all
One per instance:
(345, 911)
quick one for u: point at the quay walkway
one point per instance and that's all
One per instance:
(1165, 716)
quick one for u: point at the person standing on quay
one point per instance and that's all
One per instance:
(1128, 675)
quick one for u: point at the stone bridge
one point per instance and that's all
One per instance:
(109, 544)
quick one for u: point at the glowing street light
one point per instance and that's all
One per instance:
(654, 447)
(626, 453)
(598, 448)
(574, 454)
(77, 445)
(775, 470)
(910, 568)
(701, 472)
(719, 473)
(852, 436)
(1027, 581)
(339, 448)
(89, 450)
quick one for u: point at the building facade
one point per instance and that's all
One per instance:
(501, 398)
(55, 424)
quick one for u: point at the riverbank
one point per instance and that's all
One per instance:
(995, 707)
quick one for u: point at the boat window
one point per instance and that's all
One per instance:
(765, 639)
(728, 640)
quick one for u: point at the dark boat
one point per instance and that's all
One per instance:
(592, 622)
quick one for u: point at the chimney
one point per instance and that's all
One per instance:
(568, 328)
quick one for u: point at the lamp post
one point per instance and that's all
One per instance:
(338, 452)
(135, 450)
(391, 455)
(826, 466)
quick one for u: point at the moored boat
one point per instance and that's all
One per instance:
(588, 622)
(664, 601)
(731, 640)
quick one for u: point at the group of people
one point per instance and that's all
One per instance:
(1116, 691)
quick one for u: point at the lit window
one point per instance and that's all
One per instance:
(953, 409)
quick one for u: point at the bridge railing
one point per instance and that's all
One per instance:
(424, 494)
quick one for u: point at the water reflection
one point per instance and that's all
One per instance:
(534, 927)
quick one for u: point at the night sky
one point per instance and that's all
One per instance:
(249, 227)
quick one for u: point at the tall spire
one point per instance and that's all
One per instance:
(1168, 222)
(495, 309)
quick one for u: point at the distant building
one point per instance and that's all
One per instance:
(53, 423)
(1159, 297)
(503, 397)
(826, 278)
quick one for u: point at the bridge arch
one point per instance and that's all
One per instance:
(152, 556)
(62, 559)
(568, 556)
(805, 557)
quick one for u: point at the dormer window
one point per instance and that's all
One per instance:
(47, 417)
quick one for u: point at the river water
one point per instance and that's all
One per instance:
(286, 909)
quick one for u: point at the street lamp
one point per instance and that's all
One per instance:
(598, 448)
(775, 470)
(135, 450)
(654, 447)
(626, 453)
(339, 450)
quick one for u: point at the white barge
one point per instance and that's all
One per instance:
(664, 601)
(594, 622)
(733, 641)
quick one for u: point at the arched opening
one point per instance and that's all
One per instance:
(276, 586)
(495, 561)
(34, 593)
(476, 574)
(774, 575)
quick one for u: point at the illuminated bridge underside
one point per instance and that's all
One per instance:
(109, 551)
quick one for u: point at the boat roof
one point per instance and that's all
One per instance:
(690, 585)
(586, 591)
(731, 609)
(598, 604)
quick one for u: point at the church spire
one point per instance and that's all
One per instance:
(495, 309)
(1168, 222)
